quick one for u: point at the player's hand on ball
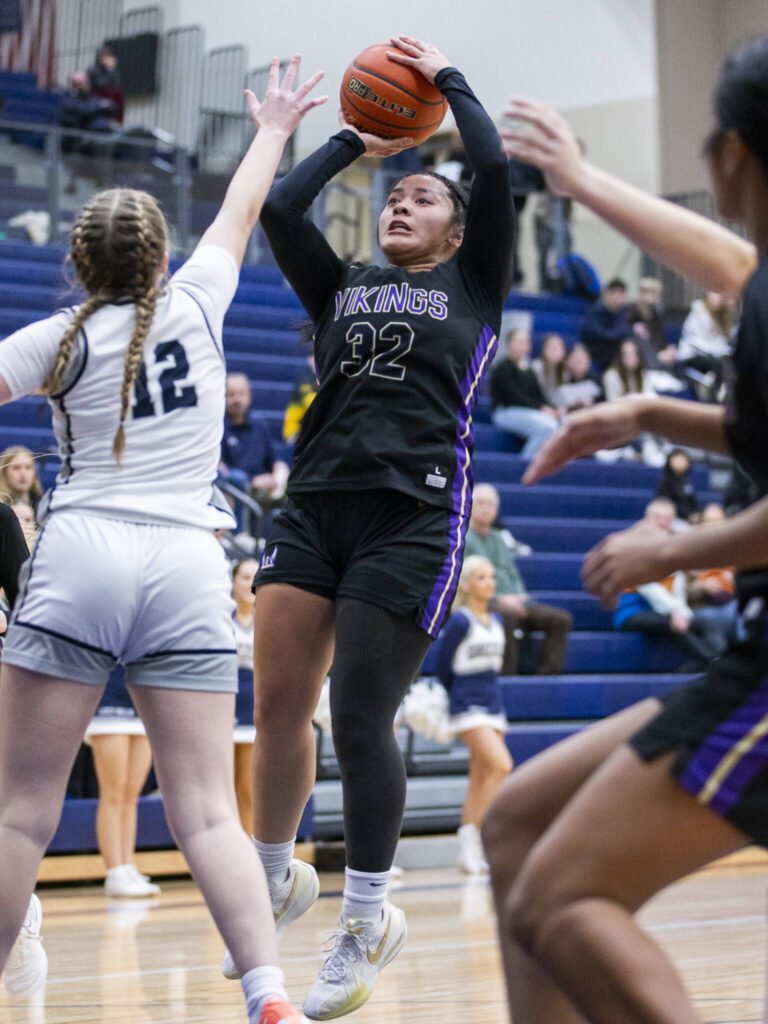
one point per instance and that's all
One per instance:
(582, 433)
(283, 107)
(537, 134)
(422, 57)
(626, 559)
(374, 144)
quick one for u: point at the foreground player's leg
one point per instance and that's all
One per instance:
(191, 736)
(526, 805)
(377, 656)
(42, 722)
(572, 907)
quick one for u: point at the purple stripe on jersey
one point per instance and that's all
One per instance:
(441, 598)
(720, 743)
(465, 436)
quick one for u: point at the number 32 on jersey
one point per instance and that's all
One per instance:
(174, 394)
(378, 352)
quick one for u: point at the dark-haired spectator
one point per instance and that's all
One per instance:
(582, 386)
(247, 456)
(627, 376)
(607, 324)
(85, 110)
(105, 79)
(518, 402)
(647, 320)
(662, 609)
(520, 613)
(550, 368)
(676, 485)
(711, 592)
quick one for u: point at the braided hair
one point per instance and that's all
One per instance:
(117, 247)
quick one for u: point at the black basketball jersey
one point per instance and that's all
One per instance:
(400, 355)
(747, 402)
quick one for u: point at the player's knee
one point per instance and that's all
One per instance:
(274, 716)
(34, 820)
(509, 829)
(528, 910)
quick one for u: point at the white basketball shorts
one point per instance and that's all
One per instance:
(98, 591)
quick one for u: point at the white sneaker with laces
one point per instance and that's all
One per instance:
(360, 951)
(27, 966)
(125, 881)
(290, 899)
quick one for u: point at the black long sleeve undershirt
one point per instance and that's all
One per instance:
(309, 263)
(13, 552)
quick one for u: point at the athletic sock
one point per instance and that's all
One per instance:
(275, 859)
(364, 894)
(258, 985)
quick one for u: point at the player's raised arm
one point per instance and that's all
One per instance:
(698, 248)
(276, 117)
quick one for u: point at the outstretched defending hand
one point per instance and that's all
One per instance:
(535, 133)
(422, 57)
(282, 108)
(583, 433)
(626, 559)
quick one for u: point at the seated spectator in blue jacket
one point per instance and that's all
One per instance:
(607, 324)
(247, 456)
(661, 609)
(519, 403)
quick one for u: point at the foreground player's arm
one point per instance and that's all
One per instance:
(13, 552)
(698, 248)
(616, 423)
(277, 117)
(487, 248)
(309, 263)
(644, 553)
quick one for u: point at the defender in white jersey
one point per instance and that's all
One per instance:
(126, 568)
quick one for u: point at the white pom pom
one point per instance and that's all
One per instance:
(425, 710)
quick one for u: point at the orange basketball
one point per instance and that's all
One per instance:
(384, 98)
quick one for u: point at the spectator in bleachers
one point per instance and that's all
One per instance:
(105, 79)
(711, 592)
(647, 319)
(662, 609)
(470, 655)
(247, 455)
(627, 376)
(519, 404)
(245, 732)
(706, 339)
(302, 396)
(582, 386)
(550, 368)
(84, 110)
(19, 480)
(520, 613)
(26, 516)
(676, 486)
(606, 324)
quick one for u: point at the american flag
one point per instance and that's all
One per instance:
(32, 49)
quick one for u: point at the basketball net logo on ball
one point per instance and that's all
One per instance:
(384, 98)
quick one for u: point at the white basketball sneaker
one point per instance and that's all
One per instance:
(27, 966)
(290, 899)
(361, 950)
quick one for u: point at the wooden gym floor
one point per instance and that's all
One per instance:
(157, 962)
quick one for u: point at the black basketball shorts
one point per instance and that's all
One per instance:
(380, 546)
(718, 725)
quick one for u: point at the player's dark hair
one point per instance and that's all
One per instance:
(459, 194)
(741, 98)
(117, 245)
